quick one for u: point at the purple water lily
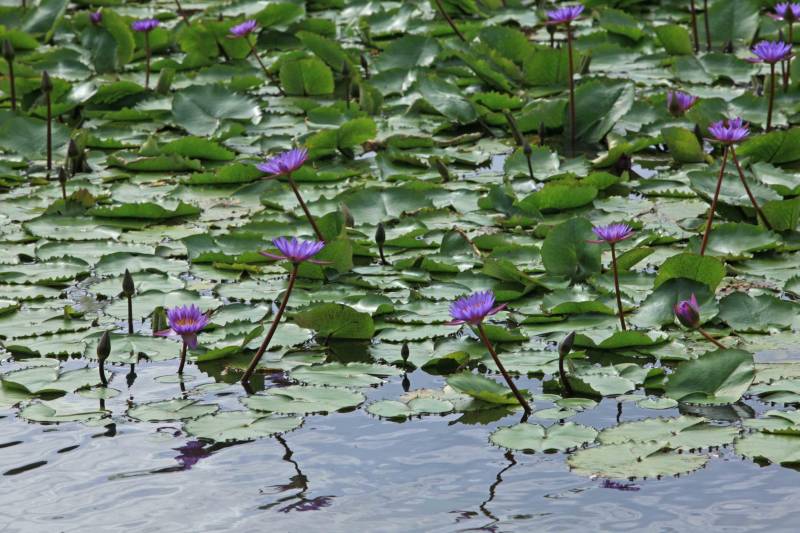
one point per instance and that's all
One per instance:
(474, 308)
(185, 321)
(284, 163)
(244, 29)
(790, 12)
(296, 250)
(564, 15)
(688, 312)
(144, 25)
(96, 17)
(679, 102)
(731, 131)
(771, 52)
(611, 234)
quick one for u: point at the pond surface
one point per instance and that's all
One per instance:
(351, 471)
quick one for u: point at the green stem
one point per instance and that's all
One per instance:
(273, 328)
(147, 60)
(521, 399)
(183, 359)
(12, 84)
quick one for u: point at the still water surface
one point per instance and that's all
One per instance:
(353, 472)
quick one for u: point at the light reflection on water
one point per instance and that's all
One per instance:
(352, 471)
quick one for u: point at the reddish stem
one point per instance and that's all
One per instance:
(273, 328)
(521, 399)
(147, 60)
(12, 84)
(616, 287)
(571, 90)
(183, 359)
(694, 28)
(714, 200)
(747, 190)
(707, 26)
(304, 207)
(771, 95)
(711, 339)
(49, 131)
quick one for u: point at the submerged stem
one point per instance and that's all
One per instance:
(265, 343)
(521, 399)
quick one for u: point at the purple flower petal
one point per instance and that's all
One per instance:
(611, 234)
(771, 52)
(295, 250)
(564, 15)
(144, 25)
(284, 163)
(244, 29)
(474, 308)
(733, 131)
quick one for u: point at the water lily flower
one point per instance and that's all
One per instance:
(285, 163)
(611, 234)
(564, 15)
(296, 250)
(731, 131)
(244, 29)
(145, 25)
(688, 312)
(679, 102)
(790, 12)
(185, 321)
(96, 17)
(771, 52)
(474, 308)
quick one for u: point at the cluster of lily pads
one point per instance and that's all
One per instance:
(462, 166)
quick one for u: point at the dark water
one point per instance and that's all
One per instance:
(353, 472)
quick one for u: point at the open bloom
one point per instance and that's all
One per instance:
(730, 131)
(611, 234)
(284, 163)
(144, 25)
(688, 312)
(771, 52)
(244, 29)
(474, 308)
(296, 250)
(564, 15)
(786, 11)
(186, 321)
(96, 17)
(679, 102)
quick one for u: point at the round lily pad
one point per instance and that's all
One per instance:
(303, 399)
(536, 438)
(240, 425)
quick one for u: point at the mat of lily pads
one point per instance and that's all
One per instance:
(458, 147)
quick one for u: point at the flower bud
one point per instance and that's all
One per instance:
(8, 51)
(62, 176)
(688, 313)
(104, 347)
(404, 351)
(47, 83)
(565, 346)
(380, 234)
(72, 149)
(527, 150)
(128, 288)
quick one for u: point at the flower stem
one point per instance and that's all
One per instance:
(571, 90)
(707, 26)
(562, 374)
(101, 368)
(49, 131)
(521, 399)
(694, 28)
(183, 359)
(771, 95)
(530, 166)
(305, 207)
(747, 190)
(450, 21)
(183, 15)
(789, 59)
(265, 343)
(130, 315)
(12, 84)
(147, 60)
(714, 200)
(711, 339)
(616, 287)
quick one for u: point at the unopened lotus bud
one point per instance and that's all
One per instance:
(527, 150)
(128, 288)
(72, 149)
(365, 65)
(565, 346)
(380, 234)
(442, 169)
(8, 51)
(47, 83)
(688, 312)
(104, 347)
(404, 352)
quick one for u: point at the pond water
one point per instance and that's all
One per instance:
(352, 470)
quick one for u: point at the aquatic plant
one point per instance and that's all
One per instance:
(770, 52)
(611, 235)
(185, 321)
(565, 16)
(145, 26)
